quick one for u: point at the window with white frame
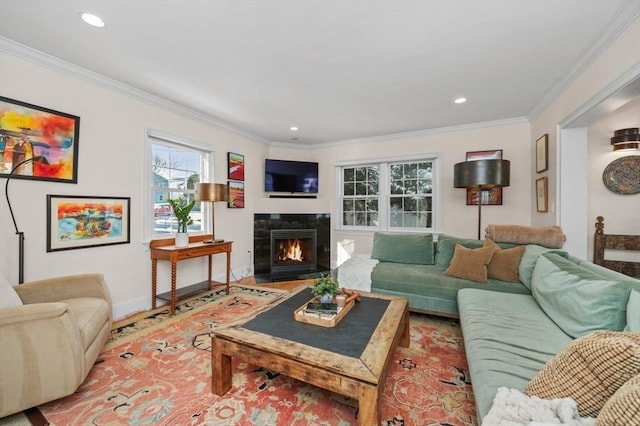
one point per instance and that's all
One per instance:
(172, 170)
(388, 195)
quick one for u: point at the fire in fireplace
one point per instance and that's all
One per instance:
(293, 251)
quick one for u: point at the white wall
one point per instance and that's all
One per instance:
(451, 145)
(110, 164)
(621, 212)
(619, 62)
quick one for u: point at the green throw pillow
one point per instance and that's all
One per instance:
(529, 258)
(577, 300)
(633, 312)
(403, 248)
(447, 245)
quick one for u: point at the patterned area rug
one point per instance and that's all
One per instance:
(157, 371)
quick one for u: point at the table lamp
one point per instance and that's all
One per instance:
(483, 175)
(211, 192)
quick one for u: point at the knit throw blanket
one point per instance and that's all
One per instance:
(513, 408)
(547, 236)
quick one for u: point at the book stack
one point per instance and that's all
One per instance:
(321, 310)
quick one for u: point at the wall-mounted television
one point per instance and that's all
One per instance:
(290, 176)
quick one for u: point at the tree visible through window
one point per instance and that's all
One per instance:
(400, 198)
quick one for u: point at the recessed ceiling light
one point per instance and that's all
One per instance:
(460, 100)
(293, 128)
(92, 20)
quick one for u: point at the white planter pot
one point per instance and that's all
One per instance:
(326, 298)
(182, 239)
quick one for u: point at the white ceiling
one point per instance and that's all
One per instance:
(339, 70)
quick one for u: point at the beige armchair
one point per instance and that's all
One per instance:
(49, 343)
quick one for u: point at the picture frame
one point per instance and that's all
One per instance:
(75, 221)
(235, 163)
(236, 195)
(542, 197)
(490, 197)
(542, 153)
(47, 137)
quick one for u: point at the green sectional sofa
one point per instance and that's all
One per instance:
(509, 337)
(413, 266)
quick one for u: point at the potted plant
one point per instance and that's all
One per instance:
(324, 288)
(182, 210)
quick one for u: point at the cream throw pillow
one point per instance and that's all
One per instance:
(623, 408)
(590, 370)
(470, 264)
(504, 263)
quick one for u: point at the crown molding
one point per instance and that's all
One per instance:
(40, 58)
(417, 133)
(626, 15)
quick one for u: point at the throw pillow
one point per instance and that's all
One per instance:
(8, 296)
(529, 259)
(633, 312)
(447, 245)
(403, 248)
(577, 300)
(470, 264)
(589, 370)
(623, 408)
(504, 263)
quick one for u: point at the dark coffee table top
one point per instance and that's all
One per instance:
(349, 337)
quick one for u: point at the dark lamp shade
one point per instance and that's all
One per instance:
(211, 192)
(481, 174)
(626, 139)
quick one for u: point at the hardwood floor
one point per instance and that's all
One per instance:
(283, 285)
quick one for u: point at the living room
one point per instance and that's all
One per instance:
(583, 114)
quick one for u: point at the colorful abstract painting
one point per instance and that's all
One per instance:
(38, 143)
(236, 166)
(77, 221)
(236, 195)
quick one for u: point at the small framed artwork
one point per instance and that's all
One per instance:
(488, 197)
(542, 198)
(542, 153)
(38, 143)
(75, 222)
(236, 195)
(236, 166)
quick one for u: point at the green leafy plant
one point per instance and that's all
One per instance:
(182, 210)
(324, 285)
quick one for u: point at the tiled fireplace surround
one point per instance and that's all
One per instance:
(264, 241)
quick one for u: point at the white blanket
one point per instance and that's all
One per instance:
(355, 273)
(513, 408)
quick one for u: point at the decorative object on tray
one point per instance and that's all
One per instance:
(622, 175)
(325, 288)
(326, 314)
(182, 211)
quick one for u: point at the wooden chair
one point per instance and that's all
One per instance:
(604, 241)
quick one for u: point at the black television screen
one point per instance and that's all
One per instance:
(290, 176)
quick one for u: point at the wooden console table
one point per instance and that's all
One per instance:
(165, 249)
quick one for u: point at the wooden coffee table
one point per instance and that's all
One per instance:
(360, 377)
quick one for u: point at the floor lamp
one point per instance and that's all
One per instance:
(211, 192)
(20, 234)
(482, 175)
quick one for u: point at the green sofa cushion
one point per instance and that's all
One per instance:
(579, 301)
(633, 312)
(529, 258)
(403, 248)
(446, 247)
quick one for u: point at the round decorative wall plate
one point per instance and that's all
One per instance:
(622, 175)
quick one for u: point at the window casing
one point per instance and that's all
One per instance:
(173, 167)
(392, 195)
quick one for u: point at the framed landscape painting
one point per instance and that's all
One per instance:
(38, 143)
(75, 222)
(236, 195)
(236, 166)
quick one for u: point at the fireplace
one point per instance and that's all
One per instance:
(305, 238)
(293, 251)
